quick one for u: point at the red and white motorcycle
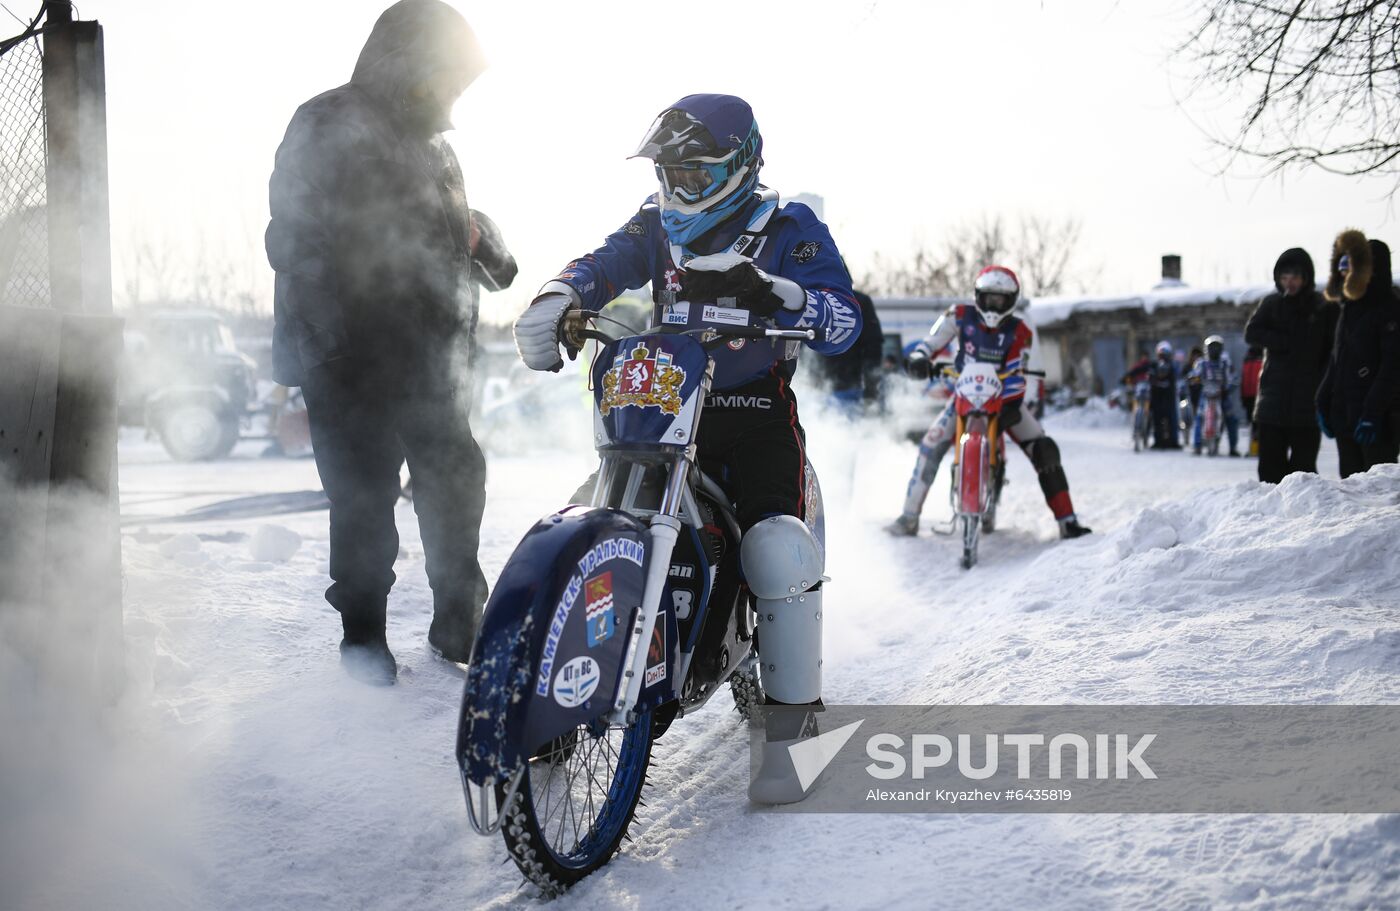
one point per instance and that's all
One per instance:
(979, 466)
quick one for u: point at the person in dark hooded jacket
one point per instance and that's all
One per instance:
(1295, 327)
(372, 243)
(1359, 400)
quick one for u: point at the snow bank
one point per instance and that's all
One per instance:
(1251, 593)
(1093, 414)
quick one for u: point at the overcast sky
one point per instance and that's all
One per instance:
(907, 117)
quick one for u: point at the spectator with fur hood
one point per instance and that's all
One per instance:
(1295, 327)
(1359, 400)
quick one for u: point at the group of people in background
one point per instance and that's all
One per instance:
(1319, 363)
(1173, 392)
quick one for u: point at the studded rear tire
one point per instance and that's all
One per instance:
(746, 690)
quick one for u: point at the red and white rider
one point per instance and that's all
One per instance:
(987, 332)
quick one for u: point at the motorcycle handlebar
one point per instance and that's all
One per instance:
(576, 325)
(948, 368)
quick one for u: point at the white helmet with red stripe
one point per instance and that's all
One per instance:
(995, 293)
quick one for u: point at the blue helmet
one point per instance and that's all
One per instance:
(707, 151)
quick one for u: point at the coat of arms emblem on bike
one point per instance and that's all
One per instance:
(644, 379)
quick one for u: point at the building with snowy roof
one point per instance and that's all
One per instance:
(1088, 343)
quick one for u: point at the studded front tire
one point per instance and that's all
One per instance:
(576, 802)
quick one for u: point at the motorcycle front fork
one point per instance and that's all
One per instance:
(663, 532)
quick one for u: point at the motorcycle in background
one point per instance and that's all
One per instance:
(1211, 418)
(979, 466)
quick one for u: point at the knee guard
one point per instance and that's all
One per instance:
(1045, 456)
(1043, 453)
(783, 565)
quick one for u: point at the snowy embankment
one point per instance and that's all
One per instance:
(1094, 414)
(244, 770)
(1248, 593)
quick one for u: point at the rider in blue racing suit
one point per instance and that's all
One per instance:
(719, 249)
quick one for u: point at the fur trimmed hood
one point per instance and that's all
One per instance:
(1352, 244)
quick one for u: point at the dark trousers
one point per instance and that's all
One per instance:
(1353, 458)
(362, 429)
(758, 450)
(1284, 450)
(1164, 419)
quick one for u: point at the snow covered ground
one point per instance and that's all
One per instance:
(242, 769)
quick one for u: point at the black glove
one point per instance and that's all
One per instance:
(492, 263)
(919, 367)
(751, 289)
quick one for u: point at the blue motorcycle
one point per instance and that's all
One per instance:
(611, 620)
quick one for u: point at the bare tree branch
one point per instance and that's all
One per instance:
(1040, 249)
(1322, 79)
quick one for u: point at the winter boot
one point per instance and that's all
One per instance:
(906, 526)
(369, 661)
(778, 780)
(451, 639)
(1070, 527)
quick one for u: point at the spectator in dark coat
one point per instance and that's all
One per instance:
(1360, 394)
(371, 240)
(1294, 326)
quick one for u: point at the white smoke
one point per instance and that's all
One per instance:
(92, 808)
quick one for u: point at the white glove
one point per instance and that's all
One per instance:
(537, 329)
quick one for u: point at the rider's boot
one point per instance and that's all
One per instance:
(1070, 527)
(779, 779)
(783, 565)
(904, 526)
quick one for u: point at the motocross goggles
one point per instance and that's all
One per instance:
(696, 180)
(995, 302)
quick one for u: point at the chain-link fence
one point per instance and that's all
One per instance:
(24, 243)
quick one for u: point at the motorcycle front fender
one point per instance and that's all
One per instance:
(548, 656)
